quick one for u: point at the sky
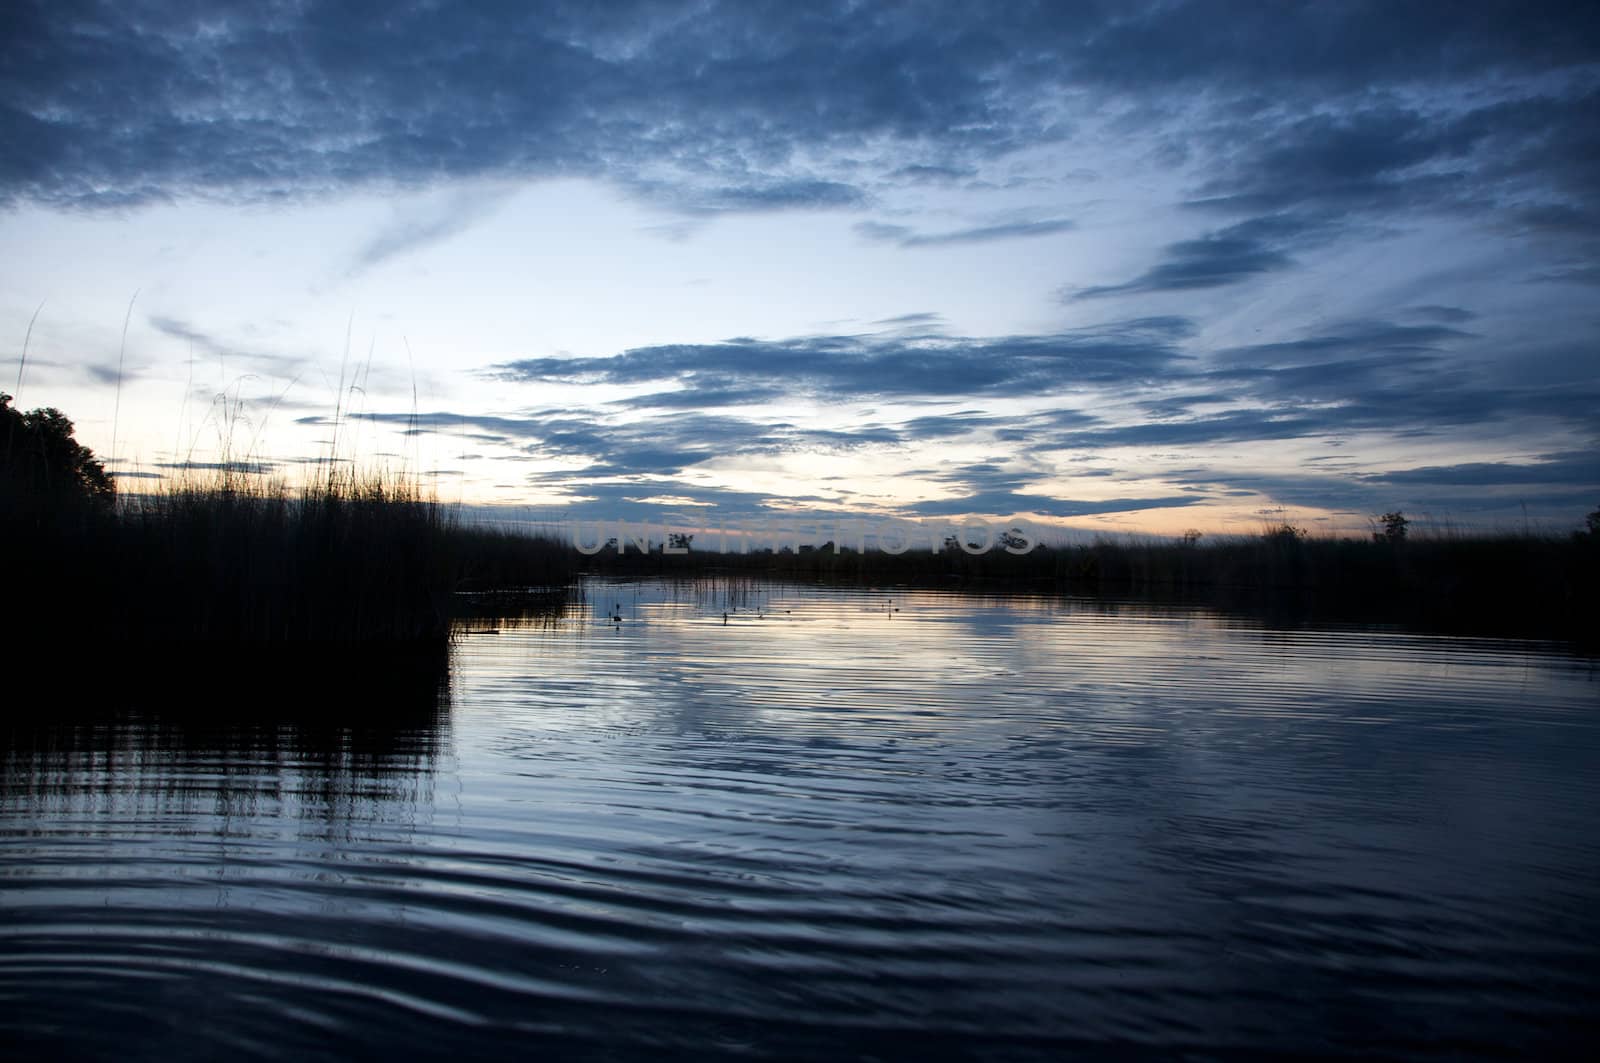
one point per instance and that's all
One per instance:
(1123, 267)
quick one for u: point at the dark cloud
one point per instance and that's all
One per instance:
(1002, 489)
(110, 374)
(1361, 376)
(1450, 315)
(251, 468)
(1569, 275)
(659, 445)
(1451, 498)
(758, 195)
(704, 395)
(1251, 425)
(1008, 503)
(889, 365)
(1309, 46)
(714, 106)
(1429, 157)
(906, 237)
(923, 173)
(1227, 256)
(926, 319)
(1575, 469)
(488, 426)
(1356, 339)
(707, 106)
(1372, 158)
(945, 426)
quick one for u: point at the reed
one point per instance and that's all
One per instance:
(224, 557)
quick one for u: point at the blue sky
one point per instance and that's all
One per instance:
(1133, 266)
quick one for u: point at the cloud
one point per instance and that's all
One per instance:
(946, 426)
(110, 374)
(1139, 383)
(1432, 156)
(713, 106)
(1373, 376)
(1148, 384)
(707, 393)
(926, 319)
(902, 236)
(1353, 339)
(888, 365)
(1452, 497)
(1226, 256)
(1308, 47)
(709, 107)
(429, 223)
(1573, 469)
(1007, 503)
(1002, 489)
(658, 445)
(1452, 315)
(1568, 275)
(208, 346)
(252, 468)
(487, 427)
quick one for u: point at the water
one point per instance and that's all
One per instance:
(835, 824)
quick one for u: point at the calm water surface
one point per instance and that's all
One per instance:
(834, 824)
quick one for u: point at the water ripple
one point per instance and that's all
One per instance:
(836, 823)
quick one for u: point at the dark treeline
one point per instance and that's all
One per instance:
(1534, 585)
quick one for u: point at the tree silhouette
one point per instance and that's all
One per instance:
(43, 466)
(1394, 528)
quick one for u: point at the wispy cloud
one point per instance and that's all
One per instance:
(1226, 256)
(431, 222)
(905, 237)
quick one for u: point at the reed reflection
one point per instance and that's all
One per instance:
(342, 752)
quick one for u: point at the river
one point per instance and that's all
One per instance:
(766, 821)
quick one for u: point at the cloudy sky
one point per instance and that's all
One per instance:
(1136, 266)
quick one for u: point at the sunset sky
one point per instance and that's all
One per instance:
(1128, 266)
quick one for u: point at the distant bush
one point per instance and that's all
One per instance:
(1284, 534)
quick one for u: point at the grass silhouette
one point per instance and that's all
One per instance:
(222, 556)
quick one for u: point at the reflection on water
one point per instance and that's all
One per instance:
(751, 820)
